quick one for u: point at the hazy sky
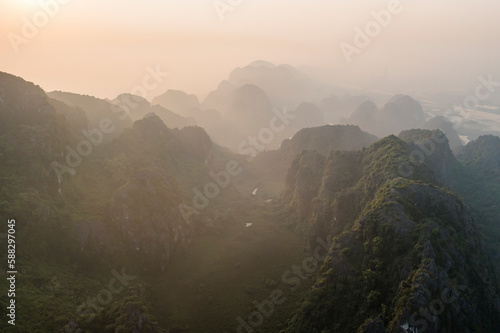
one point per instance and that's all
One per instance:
(102, 48)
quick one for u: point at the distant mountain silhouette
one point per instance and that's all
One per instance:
(285, 85)
(250, 109)
(308, 115)
(446, 126)
(179, 102)
(137, 107)
(336, 108)
(400, 113)
(220, 98)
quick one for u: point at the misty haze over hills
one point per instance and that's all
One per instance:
(244, 104)
(250, 166)
(166, 187)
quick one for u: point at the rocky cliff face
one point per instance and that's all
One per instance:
(414, 260)
(327, 138)
(431, 149)
(406, 253)
(479, 185)
(140, 208)
(343, 184)
(483, 152)
(273, 165)
(145, 211)
(340, 184)
(304, 178)
(197, 141)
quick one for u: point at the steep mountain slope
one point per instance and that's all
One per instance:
(86, 201)
(35, 131)
(483, 153)
(327, 138)
(480, 186)
(270, 167)
(96, 110)
(406, 253)
(431, 148)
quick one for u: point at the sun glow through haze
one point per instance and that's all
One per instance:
(118, 39)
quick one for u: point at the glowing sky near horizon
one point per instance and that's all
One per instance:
(102, 48)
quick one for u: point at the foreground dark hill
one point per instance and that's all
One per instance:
(406, 252)
(87, 198)
(35, 131)
(480, 186)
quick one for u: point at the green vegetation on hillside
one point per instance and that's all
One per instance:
(406, 242)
